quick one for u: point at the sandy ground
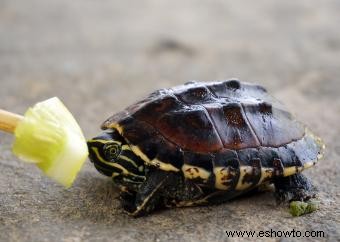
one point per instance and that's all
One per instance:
(100, 56)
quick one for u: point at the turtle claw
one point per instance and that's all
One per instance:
(127, 201)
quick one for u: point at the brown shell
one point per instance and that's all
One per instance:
(208, 117)
(228, 135)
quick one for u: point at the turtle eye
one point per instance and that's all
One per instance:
(111, 151)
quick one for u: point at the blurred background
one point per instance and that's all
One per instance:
(100, 56)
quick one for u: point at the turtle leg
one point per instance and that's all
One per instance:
(148, 196)
(294, 188)
(161, 189)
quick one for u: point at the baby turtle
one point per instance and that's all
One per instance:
(204, 143)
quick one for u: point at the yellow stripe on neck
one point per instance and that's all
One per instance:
(123, 169)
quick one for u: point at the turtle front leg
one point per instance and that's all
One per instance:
(161, 189)
(148, 197)
(295, 188)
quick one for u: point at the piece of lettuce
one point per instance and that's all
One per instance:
(50, 137)
(298, 208)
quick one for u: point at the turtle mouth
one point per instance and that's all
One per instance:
(103, 170)
(94, 149)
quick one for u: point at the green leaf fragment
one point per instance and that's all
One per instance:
(298, 208)
(50, 137)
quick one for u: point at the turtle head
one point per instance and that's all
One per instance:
(112, 156)
(104, 151)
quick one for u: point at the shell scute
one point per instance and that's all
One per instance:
(237, 133)
(273, 127)
(195, 95)
(204, 161)
(190, 129)
(153, 111)
(225, 158)
(246, 156)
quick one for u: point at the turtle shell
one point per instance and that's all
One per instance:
(227, 134)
